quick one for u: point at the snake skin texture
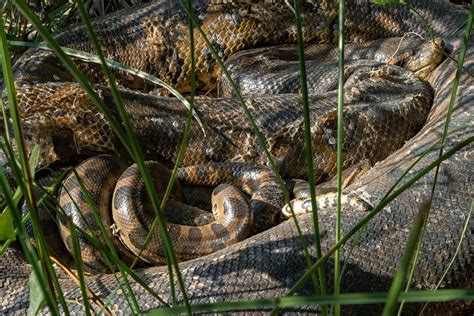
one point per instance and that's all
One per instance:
(268, 264)
(275, 70)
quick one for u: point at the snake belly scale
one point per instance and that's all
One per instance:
(280, 261)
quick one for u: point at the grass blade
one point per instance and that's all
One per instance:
(79, 266)
(342, 299)
(139, 160)
(401, 274)
(309, 158)
(25, 180)
(340, 141)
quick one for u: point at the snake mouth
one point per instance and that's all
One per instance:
(424, 71)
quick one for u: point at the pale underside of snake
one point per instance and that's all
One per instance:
(268, 264)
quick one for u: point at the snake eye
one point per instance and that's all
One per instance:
(86, 119)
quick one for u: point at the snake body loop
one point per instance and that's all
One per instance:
(134, 218)
(119, 197)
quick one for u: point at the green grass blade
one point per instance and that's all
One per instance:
(321, 289)
(80, 267)
(413, 263)
(342, 299)
(7, 229)
(401, 274)
(340, 158)
(37, 298)
(25, 180)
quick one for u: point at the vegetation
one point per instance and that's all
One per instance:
(21, 22)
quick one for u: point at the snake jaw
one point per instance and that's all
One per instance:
(423, 72)
(422, 58)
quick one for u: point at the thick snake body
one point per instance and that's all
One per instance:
(268, 264)
(385, 106)
(274, 70)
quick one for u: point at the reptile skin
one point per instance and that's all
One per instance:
(268, 264)
(372, 116)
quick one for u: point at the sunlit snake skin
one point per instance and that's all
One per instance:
(268, 264)
(382, 101)
(404, 102)
(272, 70)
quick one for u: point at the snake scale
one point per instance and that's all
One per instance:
(268, 264)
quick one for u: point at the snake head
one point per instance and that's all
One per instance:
(421, 57)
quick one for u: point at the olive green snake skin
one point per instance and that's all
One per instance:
(268, 264)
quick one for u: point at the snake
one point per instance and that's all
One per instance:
(270, 263)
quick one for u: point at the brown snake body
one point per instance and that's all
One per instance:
(268, 264)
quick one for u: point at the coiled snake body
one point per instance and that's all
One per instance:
(268, 264)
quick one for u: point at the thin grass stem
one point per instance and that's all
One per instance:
(342, 299)
(25, 180)
(340, 141)
(321, 289)
(80, 267)
(401, 274)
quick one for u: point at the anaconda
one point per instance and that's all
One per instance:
(273, 259)
(370, 120)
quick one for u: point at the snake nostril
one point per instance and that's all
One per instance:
(86, 119)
